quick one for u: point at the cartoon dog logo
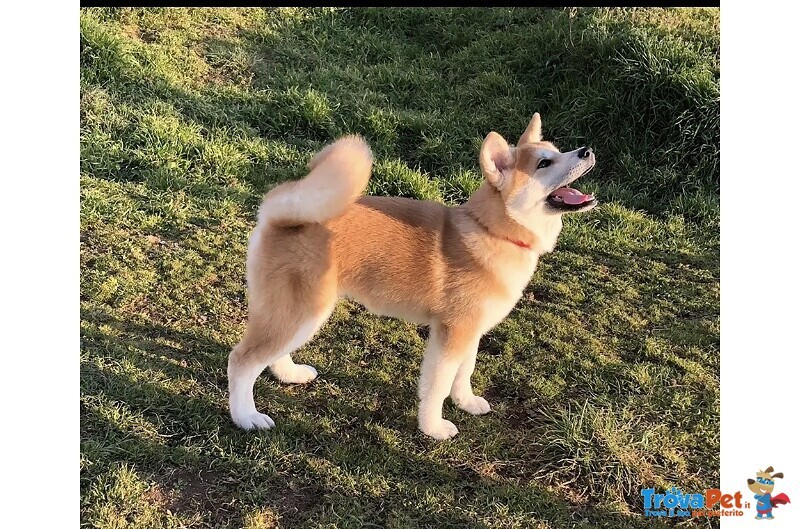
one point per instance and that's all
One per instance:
(763, 486)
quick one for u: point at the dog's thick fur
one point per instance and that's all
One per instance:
(459, 270)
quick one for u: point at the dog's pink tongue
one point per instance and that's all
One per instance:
(571, 196)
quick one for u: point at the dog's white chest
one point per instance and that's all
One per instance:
(495, 307)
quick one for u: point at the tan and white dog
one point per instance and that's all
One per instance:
(459, 270)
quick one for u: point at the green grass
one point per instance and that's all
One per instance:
(604, 379)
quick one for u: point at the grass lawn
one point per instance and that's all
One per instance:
(603, 380)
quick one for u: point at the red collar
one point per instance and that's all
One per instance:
(519, 243)
(486, 228)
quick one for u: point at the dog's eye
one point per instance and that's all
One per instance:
(544, 163)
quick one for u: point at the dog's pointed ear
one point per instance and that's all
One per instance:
(496, 159)
(768, 469)
(777, 475)
(533, 133)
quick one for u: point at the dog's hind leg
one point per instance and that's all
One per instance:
(446, 351)
(245, 363)
(258, 351)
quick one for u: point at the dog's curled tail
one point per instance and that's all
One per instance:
(338, 175)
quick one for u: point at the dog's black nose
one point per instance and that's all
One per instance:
(584, 152)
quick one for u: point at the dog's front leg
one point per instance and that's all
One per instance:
(461, 392)
(446, 350)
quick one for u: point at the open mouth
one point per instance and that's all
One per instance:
(569, 199)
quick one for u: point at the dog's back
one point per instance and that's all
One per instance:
(388, 255)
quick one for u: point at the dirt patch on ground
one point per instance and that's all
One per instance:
(184, 491)
(220, 499)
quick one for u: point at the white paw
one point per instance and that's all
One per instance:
(443, 429)
(253, 421)
(303, 374)
(300, 374)
(475, 405)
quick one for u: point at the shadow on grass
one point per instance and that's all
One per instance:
(405, 64)
(210, 468)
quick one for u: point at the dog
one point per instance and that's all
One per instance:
(458, 270)
(763, 486)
